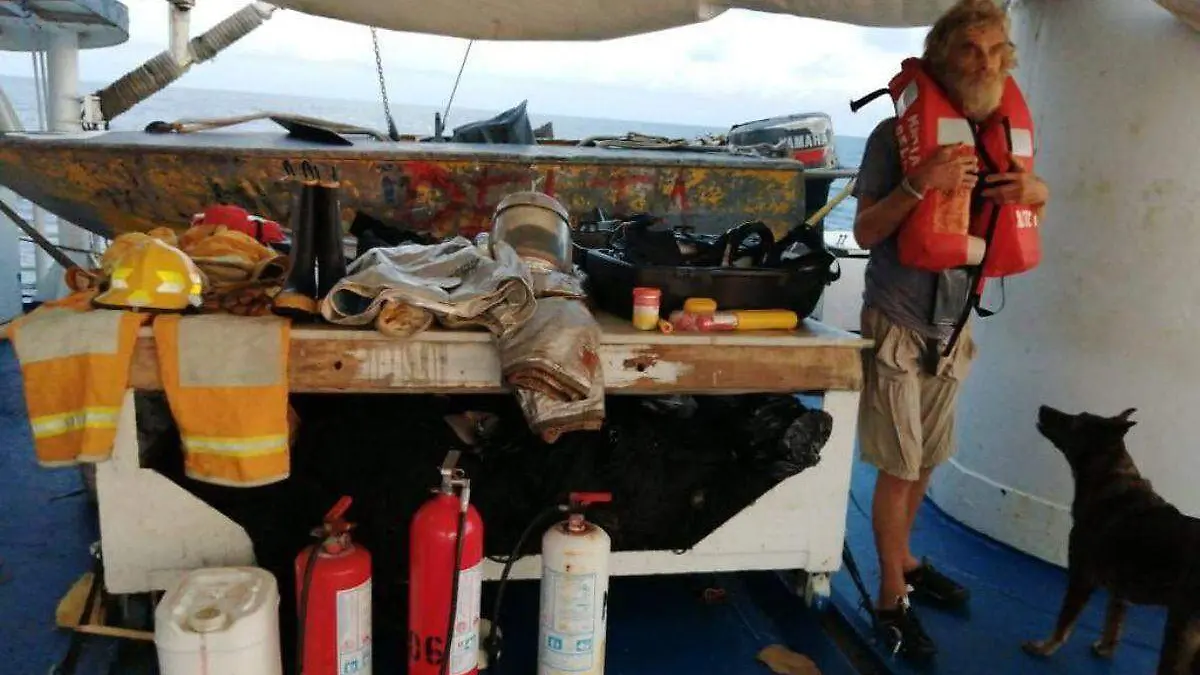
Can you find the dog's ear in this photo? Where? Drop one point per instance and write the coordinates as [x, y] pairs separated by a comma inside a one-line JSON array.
[[1121, 423]]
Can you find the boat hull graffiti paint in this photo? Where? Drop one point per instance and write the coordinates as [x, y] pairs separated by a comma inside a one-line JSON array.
[[118, 182]]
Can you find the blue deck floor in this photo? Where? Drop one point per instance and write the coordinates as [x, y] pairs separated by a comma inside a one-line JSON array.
[[45, 533], [1014, 598], [657, 624]]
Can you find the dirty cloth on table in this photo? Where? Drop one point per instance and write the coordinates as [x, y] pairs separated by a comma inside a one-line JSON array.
[[241, 274], [553, 362], [454, 281]]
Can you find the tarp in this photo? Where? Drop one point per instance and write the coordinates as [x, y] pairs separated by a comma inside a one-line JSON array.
[[597, 19]]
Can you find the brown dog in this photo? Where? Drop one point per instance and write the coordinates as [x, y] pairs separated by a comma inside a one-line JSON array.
[[1125, 539]]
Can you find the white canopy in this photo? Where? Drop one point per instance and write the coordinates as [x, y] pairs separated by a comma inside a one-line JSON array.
[[597, 19]]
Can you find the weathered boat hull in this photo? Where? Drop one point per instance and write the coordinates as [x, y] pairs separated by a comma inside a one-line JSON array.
[[116, 182]]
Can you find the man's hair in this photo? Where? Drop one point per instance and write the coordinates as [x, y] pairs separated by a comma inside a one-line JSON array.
[[963, 16]]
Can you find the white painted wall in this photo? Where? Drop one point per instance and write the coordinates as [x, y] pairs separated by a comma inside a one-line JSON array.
[[1111, 318]]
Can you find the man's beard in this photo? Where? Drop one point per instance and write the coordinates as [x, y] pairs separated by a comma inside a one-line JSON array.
[[979, 94]]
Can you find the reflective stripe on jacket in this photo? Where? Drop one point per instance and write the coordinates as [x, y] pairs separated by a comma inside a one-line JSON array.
[[226, 382], [75, 367]]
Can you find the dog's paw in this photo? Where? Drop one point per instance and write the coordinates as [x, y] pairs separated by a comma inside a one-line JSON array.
[[1040, 647], [1103, 649]]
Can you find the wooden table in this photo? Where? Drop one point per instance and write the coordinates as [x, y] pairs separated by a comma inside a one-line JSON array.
[[154, 530], [329, 359]]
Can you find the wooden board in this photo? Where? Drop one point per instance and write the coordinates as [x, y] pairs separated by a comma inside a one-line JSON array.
[[327, 359]]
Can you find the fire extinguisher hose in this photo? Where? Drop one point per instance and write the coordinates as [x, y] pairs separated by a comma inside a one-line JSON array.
[[303, 600], [493, 642], [457, 572]]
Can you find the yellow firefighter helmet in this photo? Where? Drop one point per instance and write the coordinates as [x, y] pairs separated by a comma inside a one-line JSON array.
[[154, 276]]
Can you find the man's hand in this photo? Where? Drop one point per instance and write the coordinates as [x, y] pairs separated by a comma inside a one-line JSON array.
[[946, 170], [1018, 186]]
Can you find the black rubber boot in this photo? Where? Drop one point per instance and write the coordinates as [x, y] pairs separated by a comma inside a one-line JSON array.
[[298, 299], [933, 588], [903, 635], [327, 235]]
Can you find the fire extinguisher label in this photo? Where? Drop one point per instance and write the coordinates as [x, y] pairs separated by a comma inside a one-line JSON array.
[[465, 655], [354, 630], [568, 620]]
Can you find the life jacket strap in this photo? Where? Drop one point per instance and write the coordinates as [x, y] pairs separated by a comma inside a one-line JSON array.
[[977, 270]]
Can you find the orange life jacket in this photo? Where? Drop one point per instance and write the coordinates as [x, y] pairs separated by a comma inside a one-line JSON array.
[[935, 235]]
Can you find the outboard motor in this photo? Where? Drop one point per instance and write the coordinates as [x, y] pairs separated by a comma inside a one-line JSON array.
[[804, 137]]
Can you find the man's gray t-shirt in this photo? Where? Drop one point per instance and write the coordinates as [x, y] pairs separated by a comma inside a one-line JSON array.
[[905, 295]]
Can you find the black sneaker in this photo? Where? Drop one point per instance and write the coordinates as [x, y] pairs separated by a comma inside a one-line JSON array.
[[932, 587], [902, 633]]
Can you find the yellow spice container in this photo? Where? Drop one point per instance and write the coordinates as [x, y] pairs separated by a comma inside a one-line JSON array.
[[700, 306]]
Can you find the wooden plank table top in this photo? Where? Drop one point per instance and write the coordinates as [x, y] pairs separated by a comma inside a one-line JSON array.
[[325, 358]]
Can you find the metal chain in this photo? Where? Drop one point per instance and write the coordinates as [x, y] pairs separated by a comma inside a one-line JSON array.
[[387, 111]]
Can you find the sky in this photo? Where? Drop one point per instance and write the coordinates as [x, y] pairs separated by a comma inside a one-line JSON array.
[[739, 66]]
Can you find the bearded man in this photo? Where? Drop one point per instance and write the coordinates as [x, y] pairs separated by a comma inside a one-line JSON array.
[[907, 407]]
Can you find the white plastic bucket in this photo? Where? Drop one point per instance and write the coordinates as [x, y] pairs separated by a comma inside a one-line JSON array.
[[219, 620]]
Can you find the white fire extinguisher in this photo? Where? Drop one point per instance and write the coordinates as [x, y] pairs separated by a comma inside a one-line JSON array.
[[574, 604]]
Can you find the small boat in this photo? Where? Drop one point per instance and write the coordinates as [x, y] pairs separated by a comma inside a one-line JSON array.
[[112, 182]]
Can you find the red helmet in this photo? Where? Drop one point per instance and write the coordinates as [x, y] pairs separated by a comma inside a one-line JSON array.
[[236, 218]]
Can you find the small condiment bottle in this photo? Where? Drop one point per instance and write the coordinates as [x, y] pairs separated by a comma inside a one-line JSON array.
[[646, 304]]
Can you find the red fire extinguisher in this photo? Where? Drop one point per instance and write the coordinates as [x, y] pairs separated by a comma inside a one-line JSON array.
[[333, 591], [445, 570]]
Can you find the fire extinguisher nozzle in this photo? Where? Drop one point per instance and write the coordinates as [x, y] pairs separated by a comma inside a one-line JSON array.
[[580, 499], [339, 509]]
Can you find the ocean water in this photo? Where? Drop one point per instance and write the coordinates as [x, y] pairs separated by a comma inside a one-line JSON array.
[[176, 103]]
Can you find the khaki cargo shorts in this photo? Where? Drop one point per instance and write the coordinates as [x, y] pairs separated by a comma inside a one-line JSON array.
[[905, 414]]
